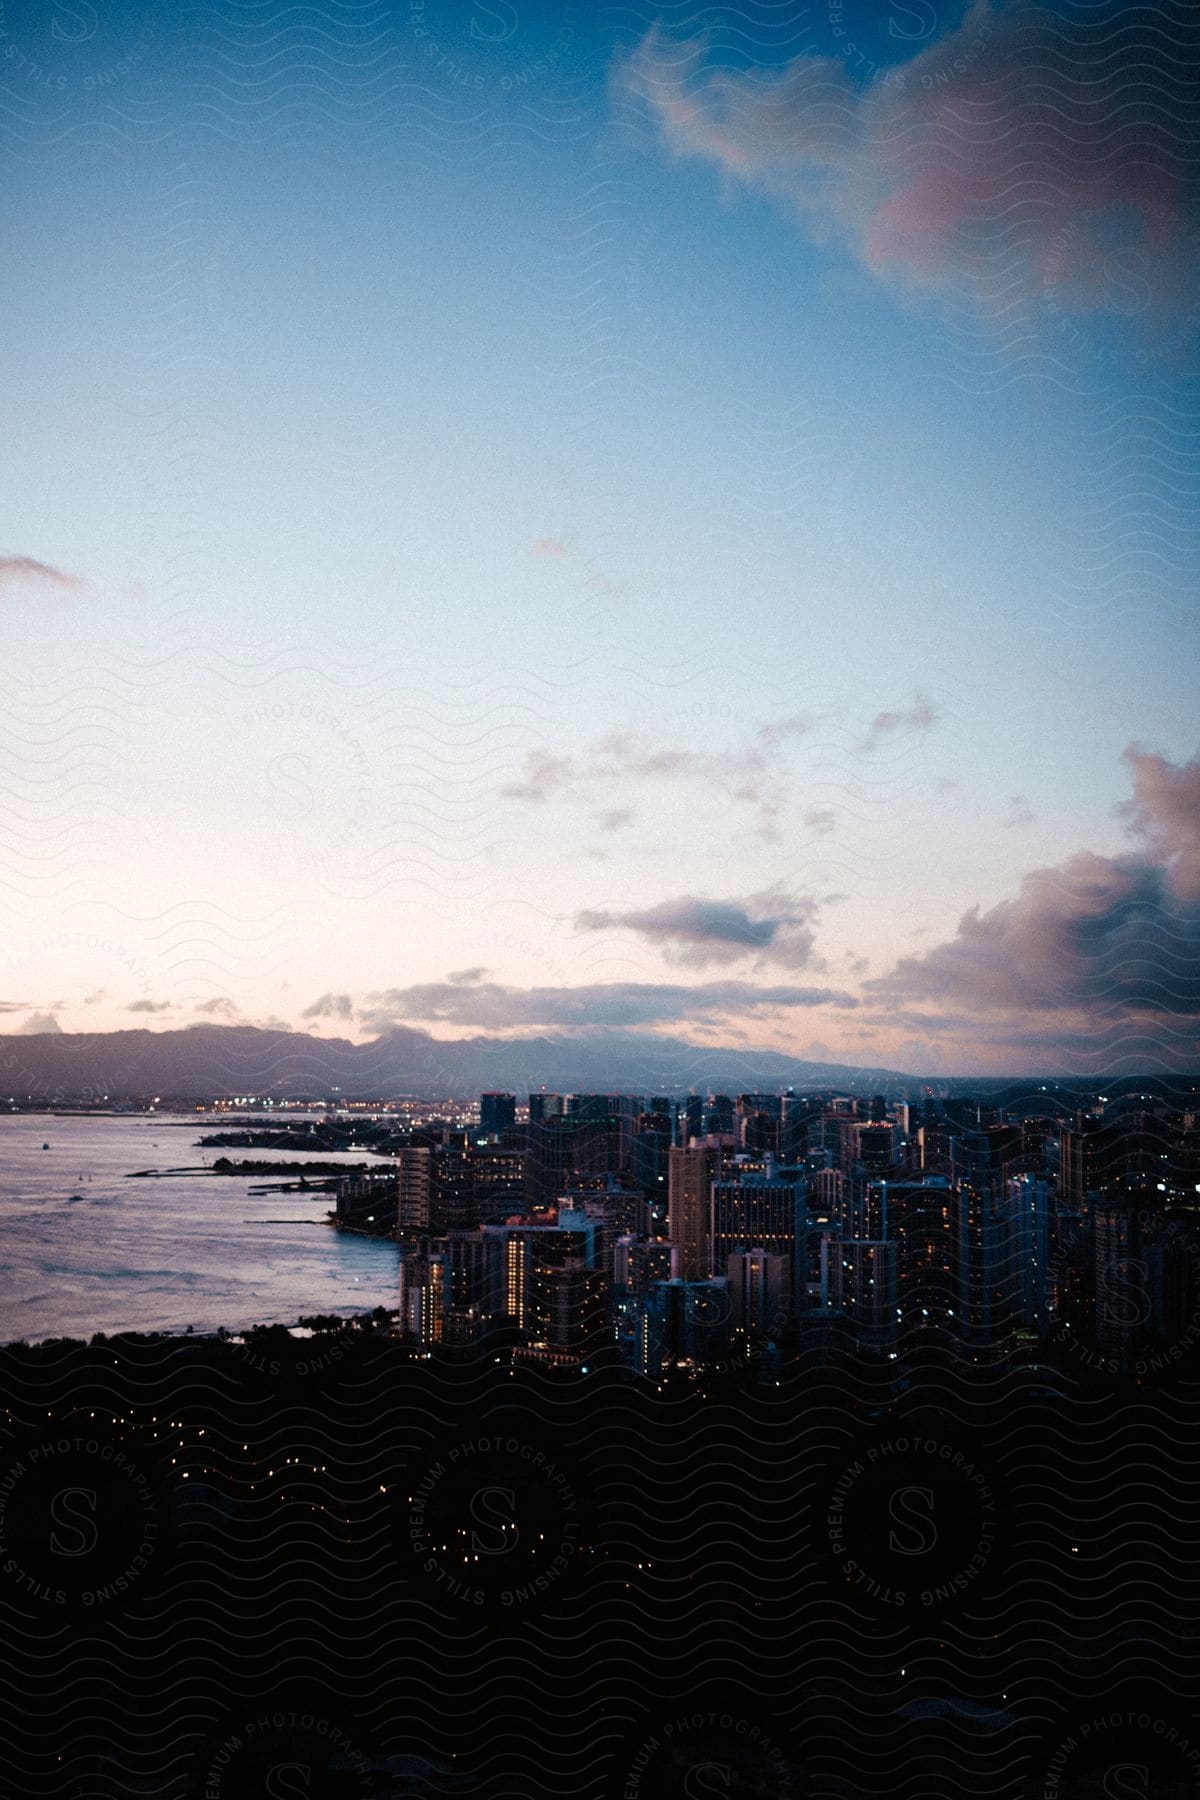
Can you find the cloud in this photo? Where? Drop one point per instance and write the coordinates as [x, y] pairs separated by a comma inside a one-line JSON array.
[[799, 725], [1165, 812], [491, 1007], [149, 1006], [1019, 813], [40, 1024], [625, 757], [820, 819], [920, 716], [756, 773], [1094, 949], [465, 977], [26, 570], [8, 1006], [330, 1006], [220, 1007], [544, 775], [693, 932], [1002, 158]]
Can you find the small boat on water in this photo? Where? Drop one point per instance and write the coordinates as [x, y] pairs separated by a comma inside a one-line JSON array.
[[71, 1201], [45, 1146]]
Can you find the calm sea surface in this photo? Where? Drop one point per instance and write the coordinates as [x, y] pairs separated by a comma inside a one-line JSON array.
[[164, 1253]]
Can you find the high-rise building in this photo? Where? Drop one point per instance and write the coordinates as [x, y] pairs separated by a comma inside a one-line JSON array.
[[608, 1199], [564, 1149], [718, 1115], [646, 1342], [451, 1190], [922, 1223], [691, 1119], [497, 1182], [1170, 1252], [476, 1271], [875, 1147], [983, 1307], [639, 1262], [587, 1224], [612, 1115], [680, 1322], [1028, 1202], [424, 1294], [495, 1112], [701, 1319], [515, 1273], [567, 1302], [760, 1134], [858, 1282], [653, 1137], [690, 1175], [412, 1192], [1077, 1168], [367, 1203], [756, 1208], [794, 1114], [827, 1188], [760, 1289], [1119, 1271]]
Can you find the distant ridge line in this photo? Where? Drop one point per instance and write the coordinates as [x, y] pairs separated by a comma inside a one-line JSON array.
[[211, 1061]]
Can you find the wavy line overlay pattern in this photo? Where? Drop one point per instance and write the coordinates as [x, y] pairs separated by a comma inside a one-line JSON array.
[[334, 1566]]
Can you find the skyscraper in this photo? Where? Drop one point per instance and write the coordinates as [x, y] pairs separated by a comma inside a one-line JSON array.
[[691, 1119], [412, 1192], [756, 1208], [495, 1112], [1027, 1215], [425, 1294], [921, 1222], [690, 1173], [562, 1150], [858, 1281], [760, 1287]]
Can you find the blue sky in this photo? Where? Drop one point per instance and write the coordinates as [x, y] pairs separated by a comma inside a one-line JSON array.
[[520, 466]]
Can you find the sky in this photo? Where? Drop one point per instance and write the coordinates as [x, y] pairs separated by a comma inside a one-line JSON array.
[[533, 518]]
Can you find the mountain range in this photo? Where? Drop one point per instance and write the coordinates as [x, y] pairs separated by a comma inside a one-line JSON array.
[[230, 1060]]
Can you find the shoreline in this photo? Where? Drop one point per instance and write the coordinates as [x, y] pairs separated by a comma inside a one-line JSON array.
[[234, 1338]]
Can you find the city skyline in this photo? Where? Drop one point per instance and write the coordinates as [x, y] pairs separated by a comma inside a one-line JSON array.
[[600, 899], [555, 526]]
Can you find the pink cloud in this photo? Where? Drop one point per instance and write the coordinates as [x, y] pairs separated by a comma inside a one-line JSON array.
[[1015, 152], [26, 570]]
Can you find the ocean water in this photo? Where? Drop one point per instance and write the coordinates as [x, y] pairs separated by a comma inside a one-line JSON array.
[[167, 1252]]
